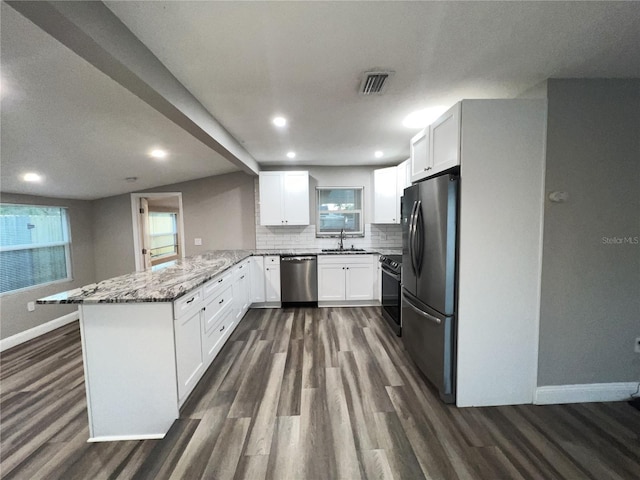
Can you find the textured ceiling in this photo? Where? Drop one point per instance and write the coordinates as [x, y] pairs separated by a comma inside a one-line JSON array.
[[247, 61]]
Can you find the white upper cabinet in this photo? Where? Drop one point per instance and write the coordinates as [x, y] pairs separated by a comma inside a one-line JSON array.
[[445, 140], [403, 179], [437, 147], [284, 198], [421, 164], [388, 186], [385, 195]]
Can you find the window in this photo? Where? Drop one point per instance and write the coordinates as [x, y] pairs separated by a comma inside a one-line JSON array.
[[163, 230], [339, 208], [34, 246]]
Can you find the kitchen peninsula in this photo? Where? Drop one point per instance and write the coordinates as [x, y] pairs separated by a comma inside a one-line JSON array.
[[148, 337]]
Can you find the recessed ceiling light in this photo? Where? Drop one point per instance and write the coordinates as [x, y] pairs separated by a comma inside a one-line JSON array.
[[31, 177], [291, 154], [279, 121], [379, 153], [422, 118], [158, 153]]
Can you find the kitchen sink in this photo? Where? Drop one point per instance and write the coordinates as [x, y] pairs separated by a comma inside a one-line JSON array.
[[343, 250]]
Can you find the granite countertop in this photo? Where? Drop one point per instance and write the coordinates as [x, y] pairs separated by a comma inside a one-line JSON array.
[[319, 251], [170, 283], [163, 285]]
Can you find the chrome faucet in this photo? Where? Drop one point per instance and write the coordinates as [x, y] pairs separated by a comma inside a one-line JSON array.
[[342, 237]]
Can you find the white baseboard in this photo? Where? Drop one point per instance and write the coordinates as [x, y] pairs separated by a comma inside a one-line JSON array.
[[127, 438], [35, 332], [585, 393]]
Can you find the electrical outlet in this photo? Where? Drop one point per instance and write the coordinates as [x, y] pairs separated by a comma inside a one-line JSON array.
[[197, 241], [637, 347]]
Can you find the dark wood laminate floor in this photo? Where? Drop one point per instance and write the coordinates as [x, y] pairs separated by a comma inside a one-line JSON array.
[[304, 394]]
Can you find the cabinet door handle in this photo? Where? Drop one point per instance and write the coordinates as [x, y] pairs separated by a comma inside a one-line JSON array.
[[221, 280], [241, 277], [222, 328], [204, 308], [220, 302], [192, 299]]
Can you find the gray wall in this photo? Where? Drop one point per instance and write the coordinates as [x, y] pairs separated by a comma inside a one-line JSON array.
[[590, 301], [13, 306], [113, 237], [219, 210]]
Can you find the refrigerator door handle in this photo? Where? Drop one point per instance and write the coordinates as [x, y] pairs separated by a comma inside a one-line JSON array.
[[412, 232], [420, 312], [418, 237]]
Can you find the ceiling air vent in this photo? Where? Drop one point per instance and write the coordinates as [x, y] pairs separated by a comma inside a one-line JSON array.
[[374, 83]]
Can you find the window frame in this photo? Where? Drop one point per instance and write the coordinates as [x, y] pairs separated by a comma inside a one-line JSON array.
[[360, 233], [66, 225], [166, 257]]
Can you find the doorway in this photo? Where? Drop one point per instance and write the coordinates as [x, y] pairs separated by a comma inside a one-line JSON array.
[[158, 229]]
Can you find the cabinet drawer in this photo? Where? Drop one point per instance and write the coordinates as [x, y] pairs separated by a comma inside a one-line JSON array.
[[241, 269], [214, 339], [187, 303], [345, 259], [215, 306], [216, 284]]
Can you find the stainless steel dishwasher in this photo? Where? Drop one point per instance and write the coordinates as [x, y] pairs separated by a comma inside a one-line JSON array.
[[299, 279]]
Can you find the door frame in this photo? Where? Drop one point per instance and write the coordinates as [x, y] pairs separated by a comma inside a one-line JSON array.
[[135, 218]]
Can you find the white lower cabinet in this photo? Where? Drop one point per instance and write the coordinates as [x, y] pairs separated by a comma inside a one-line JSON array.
[[359, 282], [242, 288], [331, 281], [189, 352], [346, 279], [213, 339], [207, 317], [257, 279], [272, 278]]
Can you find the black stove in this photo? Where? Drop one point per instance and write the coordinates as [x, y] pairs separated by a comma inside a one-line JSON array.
[[392, 262], [391, 290]]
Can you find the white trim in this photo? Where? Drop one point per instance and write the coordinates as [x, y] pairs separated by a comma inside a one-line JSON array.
[[119, 438], [348, 303], [135, 197], [538, 312], [585, 393], [266, 305], [35, 332]]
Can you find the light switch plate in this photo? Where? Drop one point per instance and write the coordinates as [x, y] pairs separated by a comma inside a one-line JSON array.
[[198, 241]]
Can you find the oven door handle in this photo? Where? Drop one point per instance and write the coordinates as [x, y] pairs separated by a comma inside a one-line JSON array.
[[395, 276]]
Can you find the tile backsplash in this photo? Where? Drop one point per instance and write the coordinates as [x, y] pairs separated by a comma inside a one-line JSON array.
[[304, 236]]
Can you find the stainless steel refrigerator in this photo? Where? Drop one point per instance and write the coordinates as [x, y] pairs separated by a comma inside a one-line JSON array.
[[429, 231]]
